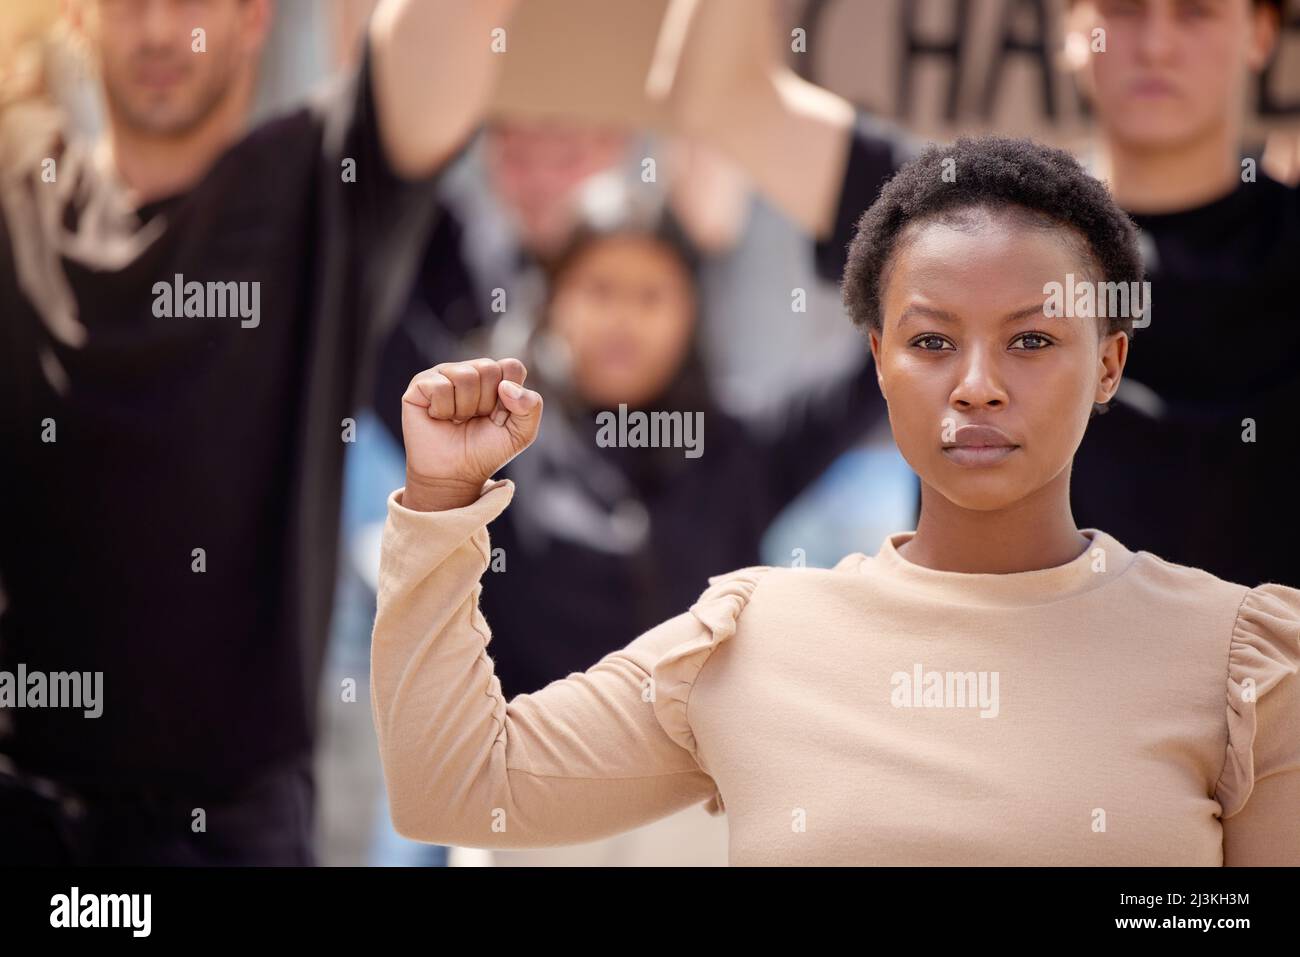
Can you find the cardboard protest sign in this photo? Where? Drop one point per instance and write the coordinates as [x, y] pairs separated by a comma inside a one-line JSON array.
[[581, 59], [938, 67], [944, 67]]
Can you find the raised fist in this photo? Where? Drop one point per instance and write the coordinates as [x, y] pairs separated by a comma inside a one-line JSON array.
[[461, 422]]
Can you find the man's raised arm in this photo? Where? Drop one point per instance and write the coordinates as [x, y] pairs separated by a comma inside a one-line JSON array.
[[434, 71], [719, 68]]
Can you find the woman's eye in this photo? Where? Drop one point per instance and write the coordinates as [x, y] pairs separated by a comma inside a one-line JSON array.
[[921, 340], [1034, 341]]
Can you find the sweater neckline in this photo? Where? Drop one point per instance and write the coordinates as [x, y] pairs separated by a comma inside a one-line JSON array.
[[1103, 561]]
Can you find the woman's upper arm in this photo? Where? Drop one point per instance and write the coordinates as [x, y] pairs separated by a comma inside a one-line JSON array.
[[587, 756]]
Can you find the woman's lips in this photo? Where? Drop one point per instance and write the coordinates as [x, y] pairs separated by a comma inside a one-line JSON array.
[[975, 456], [617, 357], [979, 445]]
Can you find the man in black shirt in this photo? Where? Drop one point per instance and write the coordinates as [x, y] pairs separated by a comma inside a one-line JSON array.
[[1192, 460], [188, 310]]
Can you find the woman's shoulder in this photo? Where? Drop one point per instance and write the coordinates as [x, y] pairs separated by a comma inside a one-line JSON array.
[[1185, 583], [1201, 587], [744, 597], [736, 589], [1210, 605], [747, 596]]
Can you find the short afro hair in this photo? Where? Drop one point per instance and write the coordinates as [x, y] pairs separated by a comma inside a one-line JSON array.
[[1000, 174]]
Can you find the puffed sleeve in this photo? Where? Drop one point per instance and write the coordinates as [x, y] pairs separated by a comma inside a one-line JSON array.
[[1259, 789], [581, 759], [717, 611]]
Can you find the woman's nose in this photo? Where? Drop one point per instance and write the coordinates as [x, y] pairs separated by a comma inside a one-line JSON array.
[[980, 383]]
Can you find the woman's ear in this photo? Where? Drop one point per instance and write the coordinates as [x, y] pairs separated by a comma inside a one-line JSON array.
[[875, 357], [1113, 353]]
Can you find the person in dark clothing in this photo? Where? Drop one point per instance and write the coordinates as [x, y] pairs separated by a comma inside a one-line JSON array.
[[604, 540], [188, 313], [1202, 406], [1206, 403], [1209, 384]]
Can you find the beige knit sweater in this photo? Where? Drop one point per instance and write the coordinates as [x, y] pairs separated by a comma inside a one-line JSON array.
[[1114, 710]]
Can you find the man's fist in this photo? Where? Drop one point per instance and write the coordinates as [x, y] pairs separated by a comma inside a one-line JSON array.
[[462, 421]]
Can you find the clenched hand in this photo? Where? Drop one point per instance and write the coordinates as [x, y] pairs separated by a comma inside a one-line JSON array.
[[461, 422]]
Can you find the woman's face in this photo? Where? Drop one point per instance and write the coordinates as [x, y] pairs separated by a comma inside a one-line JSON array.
[[965, 342], [625, 310]]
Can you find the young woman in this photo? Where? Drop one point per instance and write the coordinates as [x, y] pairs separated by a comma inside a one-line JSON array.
[[996, 687]]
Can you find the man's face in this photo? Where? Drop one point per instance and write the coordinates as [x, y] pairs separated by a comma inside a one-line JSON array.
[[536, 167], [1172, 70], [161, 75]]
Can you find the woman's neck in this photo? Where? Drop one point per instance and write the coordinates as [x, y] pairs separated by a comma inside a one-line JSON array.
[[1036, 532]]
